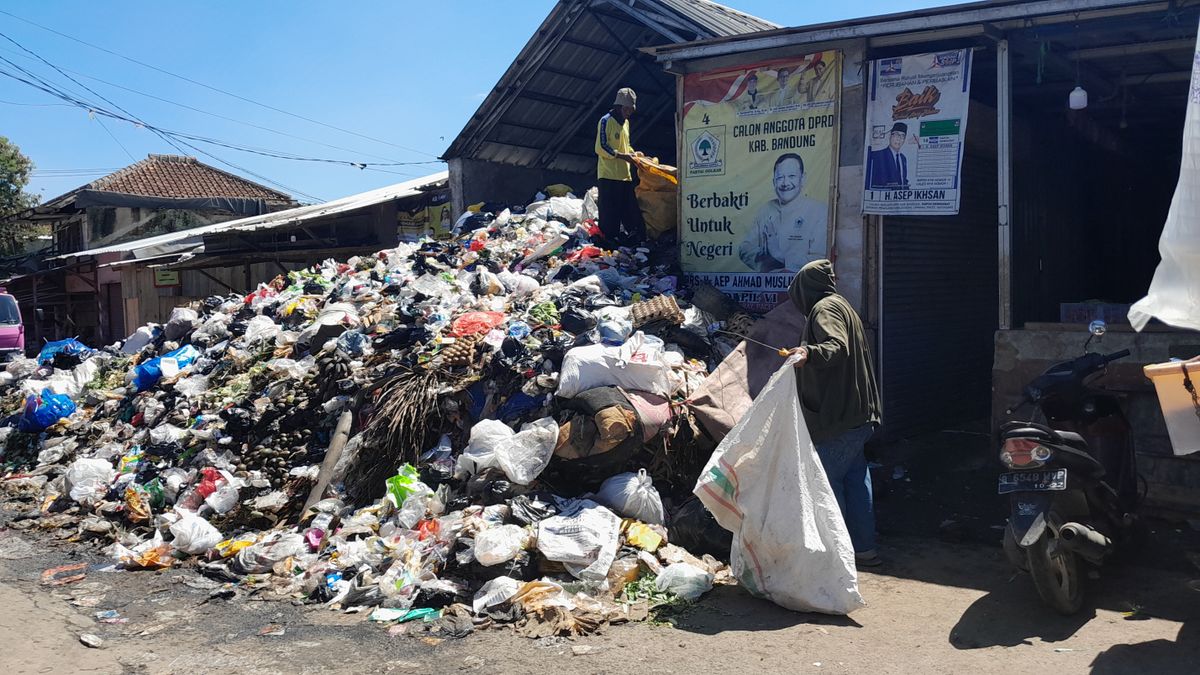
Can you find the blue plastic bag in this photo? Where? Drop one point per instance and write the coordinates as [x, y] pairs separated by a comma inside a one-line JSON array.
[[70, 346], [44, 410], [147, 374]]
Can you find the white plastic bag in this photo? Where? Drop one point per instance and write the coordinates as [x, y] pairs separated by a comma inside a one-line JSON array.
[[765, 484], [495, 592], [261, 329], [687, 581], [261, 557], [632, 495], [642, 363], [499, 544], [181, 322], [138, 339], [526, 454], [87, 480], [167, 433], [521, 455], [193, 534], [584, 535]]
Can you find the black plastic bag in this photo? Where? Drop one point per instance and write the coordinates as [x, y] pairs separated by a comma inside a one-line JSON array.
[[532, 508], [695, 529], [577, 321]]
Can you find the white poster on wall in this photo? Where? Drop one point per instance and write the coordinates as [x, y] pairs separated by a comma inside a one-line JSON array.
[[916, 128]]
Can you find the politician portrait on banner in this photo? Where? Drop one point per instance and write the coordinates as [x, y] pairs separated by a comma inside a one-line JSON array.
[[757, 178], [916, 128]]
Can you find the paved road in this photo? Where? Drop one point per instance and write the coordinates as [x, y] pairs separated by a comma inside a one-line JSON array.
[[935, 608]]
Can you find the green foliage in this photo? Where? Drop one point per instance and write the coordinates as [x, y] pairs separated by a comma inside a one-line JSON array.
[[14, 176], [15, 169]]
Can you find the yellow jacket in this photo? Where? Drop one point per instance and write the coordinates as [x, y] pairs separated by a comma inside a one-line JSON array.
[[612, 138]]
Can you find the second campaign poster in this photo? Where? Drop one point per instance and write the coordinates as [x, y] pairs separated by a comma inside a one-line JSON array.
[[757, 181], [916, 128]]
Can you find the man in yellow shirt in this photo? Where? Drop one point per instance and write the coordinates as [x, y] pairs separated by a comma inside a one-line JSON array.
[[620, 218]]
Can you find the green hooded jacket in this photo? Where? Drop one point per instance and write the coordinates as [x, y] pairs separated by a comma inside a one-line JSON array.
[[837, 384]]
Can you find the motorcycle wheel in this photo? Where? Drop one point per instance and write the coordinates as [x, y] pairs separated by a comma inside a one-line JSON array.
[[1056, 574]]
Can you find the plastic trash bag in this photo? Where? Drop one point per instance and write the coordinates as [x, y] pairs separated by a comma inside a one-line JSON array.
[[88, 480], [139, 338], [262, 556], [495, 592], [476, 323], [695, 529], [522, 456], [584, 535], [45, 410], [21, 367], [68, 347], [405, 484], [687, 581], [641, 363], [260, 329], [499, 544], [632, 495], [790, 544], [147, 374], [193, 534], [183, 320], [532, 508]]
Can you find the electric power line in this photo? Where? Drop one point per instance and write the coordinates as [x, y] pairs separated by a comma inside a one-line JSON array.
[[167, 134], [38, 105], [222, 117], [119, 143], [212, 88], [53, 90]]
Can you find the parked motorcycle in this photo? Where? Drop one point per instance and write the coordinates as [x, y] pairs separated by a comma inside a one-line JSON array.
[[1072, 481]]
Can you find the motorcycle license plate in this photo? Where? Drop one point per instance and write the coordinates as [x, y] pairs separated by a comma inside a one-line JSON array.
[[1033, 481]]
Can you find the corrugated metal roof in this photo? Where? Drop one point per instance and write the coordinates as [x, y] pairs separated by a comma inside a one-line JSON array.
[[984, 11], [564, 78], [718, 19], [178, 242]]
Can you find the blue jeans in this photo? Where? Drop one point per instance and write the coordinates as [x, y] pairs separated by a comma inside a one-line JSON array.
[[846, 467]]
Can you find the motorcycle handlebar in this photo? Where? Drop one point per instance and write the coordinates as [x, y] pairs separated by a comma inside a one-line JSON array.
[[1117, 355]]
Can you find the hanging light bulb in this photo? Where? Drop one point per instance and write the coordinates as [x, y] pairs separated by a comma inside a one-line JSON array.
[[1077, 100]]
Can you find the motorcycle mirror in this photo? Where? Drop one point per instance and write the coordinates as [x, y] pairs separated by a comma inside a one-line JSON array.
[[1097, 329]]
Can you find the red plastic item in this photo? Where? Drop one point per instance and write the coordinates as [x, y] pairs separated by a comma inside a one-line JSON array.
[[474, 323], [477, 245], [428, 529], [208, 483], [585, 253]]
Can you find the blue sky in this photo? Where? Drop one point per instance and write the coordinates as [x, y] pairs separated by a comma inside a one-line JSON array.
[[403, 73]]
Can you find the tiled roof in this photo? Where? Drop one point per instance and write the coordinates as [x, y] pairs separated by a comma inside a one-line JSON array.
[[178, 177]]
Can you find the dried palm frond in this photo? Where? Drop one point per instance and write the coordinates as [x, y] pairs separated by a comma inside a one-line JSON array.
[[405, 422]]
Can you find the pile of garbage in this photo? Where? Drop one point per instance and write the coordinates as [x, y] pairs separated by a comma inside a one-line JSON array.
[[487, 429]]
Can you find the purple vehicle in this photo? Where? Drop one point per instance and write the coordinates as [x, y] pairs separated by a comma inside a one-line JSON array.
[[12, 329]]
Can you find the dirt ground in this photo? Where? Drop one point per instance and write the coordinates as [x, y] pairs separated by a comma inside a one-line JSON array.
[[935, 607]]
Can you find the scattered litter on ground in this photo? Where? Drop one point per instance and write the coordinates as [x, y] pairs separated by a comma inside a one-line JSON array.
[[92, 641], [492, 429]]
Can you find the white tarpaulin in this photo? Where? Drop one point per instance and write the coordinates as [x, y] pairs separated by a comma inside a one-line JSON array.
[[765, 484], [1174, 296], [916, 129]]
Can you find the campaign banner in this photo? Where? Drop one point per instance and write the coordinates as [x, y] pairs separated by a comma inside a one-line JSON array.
[[916, 128], [758, 174]]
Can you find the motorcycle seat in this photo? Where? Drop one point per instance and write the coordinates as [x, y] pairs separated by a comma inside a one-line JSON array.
[[1073, 439]]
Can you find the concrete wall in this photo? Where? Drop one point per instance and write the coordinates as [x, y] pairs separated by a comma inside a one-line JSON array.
[[473, 181], [1021, 355]]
